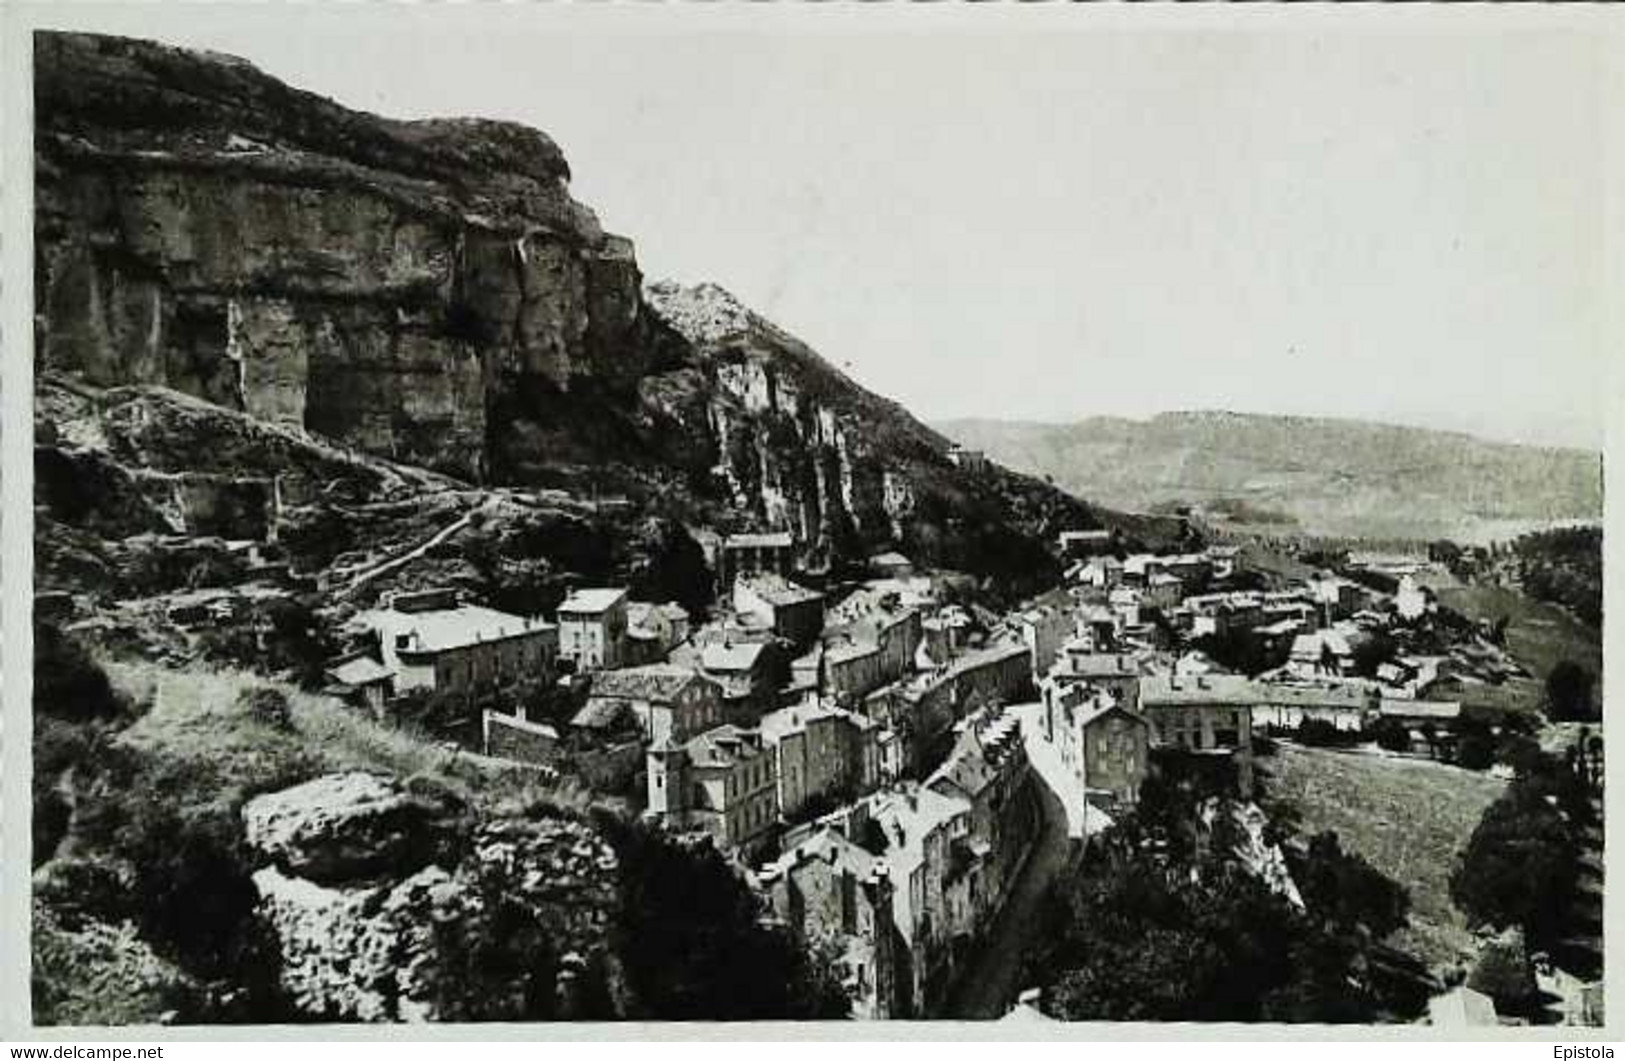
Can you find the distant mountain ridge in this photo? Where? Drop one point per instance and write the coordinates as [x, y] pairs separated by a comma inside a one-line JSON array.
[[1304, 474]]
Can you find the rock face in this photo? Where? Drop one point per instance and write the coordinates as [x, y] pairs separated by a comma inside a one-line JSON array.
[[202, 226], [428, 292], [516, 924]]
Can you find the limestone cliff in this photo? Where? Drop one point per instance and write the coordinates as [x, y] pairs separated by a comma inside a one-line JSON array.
[[429, 292], [202, 226]]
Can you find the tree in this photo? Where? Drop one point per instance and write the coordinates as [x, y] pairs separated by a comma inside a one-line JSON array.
[[1475, 745], [1345, 892], [694, 947], [1520, 866], [1372, 653], [1391, 735], [1568, 693]]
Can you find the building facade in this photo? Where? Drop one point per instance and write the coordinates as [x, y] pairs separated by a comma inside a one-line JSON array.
[[592, 628], [723, 782]]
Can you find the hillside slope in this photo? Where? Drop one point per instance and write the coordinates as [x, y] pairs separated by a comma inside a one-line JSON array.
[[1335, 477], [430, 293]]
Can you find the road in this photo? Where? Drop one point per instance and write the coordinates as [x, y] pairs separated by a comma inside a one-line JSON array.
[[989, 983]]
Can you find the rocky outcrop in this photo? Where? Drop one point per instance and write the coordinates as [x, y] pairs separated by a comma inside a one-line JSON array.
[[429, 293], [203, 226], [347, 826], [378, 918]]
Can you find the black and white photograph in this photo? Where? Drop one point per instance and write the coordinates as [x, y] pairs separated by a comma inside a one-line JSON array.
[[571, 513]]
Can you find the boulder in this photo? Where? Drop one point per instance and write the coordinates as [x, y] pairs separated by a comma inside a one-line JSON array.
[[347, 827], [520, 927]]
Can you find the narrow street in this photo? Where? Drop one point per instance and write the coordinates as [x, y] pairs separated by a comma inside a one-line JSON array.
[[988, 985]]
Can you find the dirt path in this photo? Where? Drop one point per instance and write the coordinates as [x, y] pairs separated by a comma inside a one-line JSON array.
[[361, 579]]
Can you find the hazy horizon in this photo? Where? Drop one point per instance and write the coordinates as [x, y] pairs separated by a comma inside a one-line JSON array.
[[1391, 226], [1143, 418]]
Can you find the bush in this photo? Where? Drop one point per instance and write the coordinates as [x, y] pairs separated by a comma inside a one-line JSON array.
[[267, 706], [1391, 735], [1568, 693], [1318, 733], [69, 685], [1476, 746]]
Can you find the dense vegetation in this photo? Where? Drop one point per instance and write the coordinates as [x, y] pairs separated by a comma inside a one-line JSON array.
[[1165, 923], [1564, 566], [1521, 866]]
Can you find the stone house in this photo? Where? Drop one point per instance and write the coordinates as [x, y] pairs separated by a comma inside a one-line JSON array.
[[592, 628], [822, 754], [361, 679], [1099, 572], [929, 901], [1208, 715], [431, 640], [1117, 673], [750, 674], [723, 782], [1101, 743], [828, 889], [1075, 543], [652, 630], [973, 461], [1347, 706], [667, 700], [931, 703], [792, 612], [1043, 630], [988, 768], [748, 554], [1163, 590]]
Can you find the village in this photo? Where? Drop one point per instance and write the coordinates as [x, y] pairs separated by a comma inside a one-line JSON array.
[[878, 757]]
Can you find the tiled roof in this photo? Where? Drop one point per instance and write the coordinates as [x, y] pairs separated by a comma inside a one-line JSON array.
[[358, 671], [724, 746], [657, 682], [736, 657]]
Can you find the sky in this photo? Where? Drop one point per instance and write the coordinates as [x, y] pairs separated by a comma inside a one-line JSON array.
[[1381, 220]]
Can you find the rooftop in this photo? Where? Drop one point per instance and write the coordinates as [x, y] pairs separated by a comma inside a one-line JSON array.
[[656, 682], [724, 746], [778, 590], [1224, 689], [445, 629], [768, 540], [358, 670], [731, 657], [592, 601]]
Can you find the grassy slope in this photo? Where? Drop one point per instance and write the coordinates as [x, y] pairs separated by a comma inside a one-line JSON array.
[[1408, 818], [194, 717], [1539, 635]]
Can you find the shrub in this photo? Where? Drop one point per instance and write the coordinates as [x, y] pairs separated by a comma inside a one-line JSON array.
[[1568, 693], [1391, 735], [68, 684], [267, 706]]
